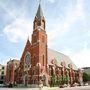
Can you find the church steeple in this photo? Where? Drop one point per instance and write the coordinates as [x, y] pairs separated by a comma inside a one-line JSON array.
[[39, 21], [39, 13], [39, 39]]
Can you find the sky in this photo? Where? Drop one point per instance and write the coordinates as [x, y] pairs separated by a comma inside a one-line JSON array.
[[67, 27]]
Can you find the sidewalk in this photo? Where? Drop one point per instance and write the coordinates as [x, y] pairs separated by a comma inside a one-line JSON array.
[[50, 88]]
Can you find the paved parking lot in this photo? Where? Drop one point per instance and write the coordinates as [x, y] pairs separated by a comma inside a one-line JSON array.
[[48, 88]]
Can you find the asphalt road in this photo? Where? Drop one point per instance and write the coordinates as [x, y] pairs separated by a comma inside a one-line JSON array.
[[48, 88], [76, 88]]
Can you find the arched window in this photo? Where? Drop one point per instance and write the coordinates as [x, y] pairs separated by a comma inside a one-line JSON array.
[[43, 39], [43, 60], [27, 60], [35, 39]]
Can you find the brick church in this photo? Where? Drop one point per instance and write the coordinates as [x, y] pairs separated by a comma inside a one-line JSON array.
[[38, 63]]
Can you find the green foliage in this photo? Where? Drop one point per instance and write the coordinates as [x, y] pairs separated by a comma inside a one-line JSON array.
[[85, 77], [54, 79], [89, 76], [65, 79], [76, 79], [59, 80]]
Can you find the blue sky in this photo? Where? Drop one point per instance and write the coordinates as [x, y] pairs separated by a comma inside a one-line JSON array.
[[67, 26]]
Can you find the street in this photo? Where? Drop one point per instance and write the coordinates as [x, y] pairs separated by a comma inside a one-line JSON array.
[[52, 88], [76, 88]]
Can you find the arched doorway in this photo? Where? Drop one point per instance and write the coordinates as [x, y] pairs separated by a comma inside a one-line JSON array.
[[45, 80], [33, 79], [25, 80]]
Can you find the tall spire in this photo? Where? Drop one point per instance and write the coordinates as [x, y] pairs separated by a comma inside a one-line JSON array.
[[39, 13], [39, 20]]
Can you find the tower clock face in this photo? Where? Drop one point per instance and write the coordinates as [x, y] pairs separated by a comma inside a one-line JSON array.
[[27, 60]]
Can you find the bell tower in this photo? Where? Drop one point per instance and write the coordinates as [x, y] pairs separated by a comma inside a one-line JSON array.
[[39, 41], [39, 21]]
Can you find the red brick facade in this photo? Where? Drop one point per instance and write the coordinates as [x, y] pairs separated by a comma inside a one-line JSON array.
[[38, 55], [10, 71], [33, 64]]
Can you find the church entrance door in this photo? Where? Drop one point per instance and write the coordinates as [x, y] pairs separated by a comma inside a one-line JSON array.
[[45, 80], [25, 79]]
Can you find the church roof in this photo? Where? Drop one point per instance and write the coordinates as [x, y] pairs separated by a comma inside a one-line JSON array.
[[60, 58], [39, 13]]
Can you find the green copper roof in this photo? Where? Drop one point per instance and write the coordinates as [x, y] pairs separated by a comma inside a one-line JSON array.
[[60, 58], [39, 13]]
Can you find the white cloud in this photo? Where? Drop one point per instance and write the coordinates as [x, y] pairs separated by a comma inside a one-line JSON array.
[[3, 58], [1, 34], [72, 15], [82, 58], [67, 51], [18, 30], [11, 13], [20, 27], [51, 1], [88, 33]]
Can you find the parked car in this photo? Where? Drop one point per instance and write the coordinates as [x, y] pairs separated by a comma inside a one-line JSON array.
[[2, 85], [62, 86], [86, 84]]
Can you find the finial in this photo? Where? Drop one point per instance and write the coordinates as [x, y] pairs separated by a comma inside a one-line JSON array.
[[28, 37], [39, 1]]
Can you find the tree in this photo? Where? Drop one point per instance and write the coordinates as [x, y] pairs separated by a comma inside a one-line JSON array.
[[76, 79], [85, 77], [65, 79], [54, 79], [89, 77], [59, 79]]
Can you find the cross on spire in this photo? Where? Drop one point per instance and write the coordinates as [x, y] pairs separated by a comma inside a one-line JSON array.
[[39, 1]]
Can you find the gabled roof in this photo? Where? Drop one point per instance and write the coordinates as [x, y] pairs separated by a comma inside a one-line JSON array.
[[39, 13], [60, 58]]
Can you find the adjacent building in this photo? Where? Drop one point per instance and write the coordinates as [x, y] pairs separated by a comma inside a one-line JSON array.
[[2, 74], [86, 70], [39, 63], [10, 71]]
